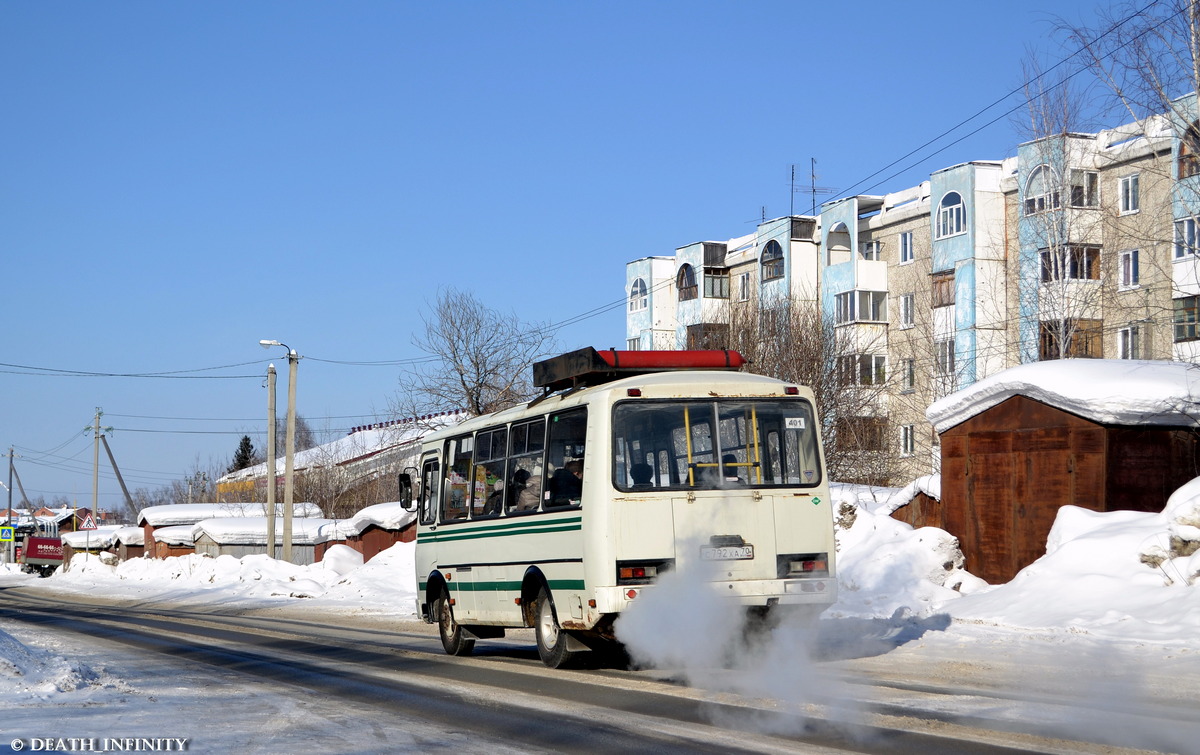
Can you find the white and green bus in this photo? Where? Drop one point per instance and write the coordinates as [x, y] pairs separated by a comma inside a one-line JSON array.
[[557, 514]]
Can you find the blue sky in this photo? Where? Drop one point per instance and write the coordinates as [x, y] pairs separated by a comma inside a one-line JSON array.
[[180, 180]]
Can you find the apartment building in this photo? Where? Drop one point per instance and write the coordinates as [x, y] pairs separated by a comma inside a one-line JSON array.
[[1083, 245]]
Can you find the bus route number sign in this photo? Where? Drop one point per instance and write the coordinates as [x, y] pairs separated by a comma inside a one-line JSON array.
[[727, 553]]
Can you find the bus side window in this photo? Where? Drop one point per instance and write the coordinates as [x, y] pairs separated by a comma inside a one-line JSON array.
[[429, 491], [491, 454], [523, 491], [568, 432], [457, 495]]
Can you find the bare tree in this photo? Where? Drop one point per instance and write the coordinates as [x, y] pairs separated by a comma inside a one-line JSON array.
[[480, 359], [798, 342]]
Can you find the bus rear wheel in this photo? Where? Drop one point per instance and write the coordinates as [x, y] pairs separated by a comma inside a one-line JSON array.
[[551, 638], [453, 639]]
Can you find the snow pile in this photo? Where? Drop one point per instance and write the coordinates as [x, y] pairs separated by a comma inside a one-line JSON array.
[[190, 513], [29, 676], [885, 566], [385, 585], [1107, 391], [387, 516]]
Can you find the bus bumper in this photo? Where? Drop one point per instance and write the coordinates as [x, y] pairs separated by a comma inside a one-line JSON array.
[[764, 592]]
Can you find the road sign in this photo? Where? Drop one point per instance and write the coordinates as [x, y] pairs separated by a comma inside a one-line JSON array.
[[86, 522], [7, 534]]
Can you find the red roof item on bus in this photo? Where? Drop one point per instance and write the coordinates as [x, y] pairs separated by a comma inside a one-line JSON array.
[[587, 366]]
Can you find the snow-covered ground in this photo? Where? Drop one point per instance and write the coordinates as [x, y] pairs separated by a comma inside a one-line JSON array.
[[1123, 578]]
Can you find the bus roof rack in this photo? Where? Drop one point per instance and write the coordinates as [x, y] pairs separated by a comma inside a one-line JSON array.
[[587, 366]]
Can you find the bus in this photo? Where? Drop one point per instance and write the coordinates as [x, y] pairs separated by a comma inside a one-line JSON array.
[[558, 513]]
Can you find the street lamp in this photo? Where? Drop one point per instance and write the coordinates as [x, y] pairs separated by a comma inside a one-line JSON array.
[[289, 453]]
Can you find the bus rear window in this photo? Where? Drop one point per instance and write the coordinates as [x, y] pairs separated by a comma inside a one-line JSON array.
[[684, 445]]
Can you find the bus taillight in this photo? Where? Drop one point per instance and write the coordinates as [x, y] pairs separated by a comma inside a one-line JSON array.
[[803, 565], [640, 572]]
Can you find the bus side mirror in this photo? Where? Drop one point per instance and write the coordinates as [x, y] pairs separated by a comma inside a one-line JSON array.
[[406, 490]]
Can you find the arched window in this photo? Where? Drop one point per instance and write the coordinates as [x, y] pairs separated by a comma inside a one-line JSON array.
[[837, 245], [1041, 191], [637, 296], [772, 261], [951, 216], [685, 281]]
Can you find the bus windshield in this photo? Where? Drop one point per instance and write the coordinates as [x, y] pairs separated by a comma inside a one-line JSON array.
[[690, 444]]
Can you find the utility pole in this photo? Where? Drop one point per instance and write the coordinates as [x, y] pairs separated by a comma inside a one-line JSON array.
[[96, 464], [12, 556], [271, 461], [290, 451]]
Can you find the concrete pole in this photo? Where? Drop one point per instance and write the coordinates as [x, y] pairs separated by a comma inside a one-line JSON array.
[[290, 451], [271, 461], [96, 465]]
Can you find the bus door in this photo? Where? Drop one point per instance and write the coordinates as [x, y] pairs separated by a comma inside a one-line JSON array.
[[451, 552]]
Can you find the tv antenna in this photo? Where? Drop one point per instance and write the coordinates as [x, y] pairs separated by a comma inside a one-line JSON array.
[[813, 189]]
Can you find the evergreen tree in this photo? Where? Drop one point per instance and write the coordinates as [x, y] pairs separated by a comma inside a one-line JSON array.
[[244, 456]]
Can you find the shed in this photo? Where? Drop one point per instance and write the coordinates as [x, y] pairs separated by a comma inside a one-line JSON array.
[[131, 542], [245, 536], [97, 541], [171, 541], [371, 530], [152, 518], [1101, 434]]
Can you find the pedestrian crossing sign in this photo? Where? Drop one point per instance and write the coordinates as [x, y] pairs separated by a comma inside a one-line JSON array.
[[7, 534], [86, 522]]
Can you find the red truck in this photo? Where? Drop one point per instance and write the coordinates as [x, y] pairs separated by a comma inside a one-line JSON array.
[[38, 552]]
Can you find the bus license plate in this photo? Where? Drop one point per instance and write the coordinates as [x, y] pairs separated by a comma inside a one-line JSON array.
[[727, 553]]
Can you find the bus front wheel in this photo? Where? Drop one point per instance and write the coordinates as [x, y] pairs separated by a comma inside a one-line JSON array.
[[551, 638], [453, 639]]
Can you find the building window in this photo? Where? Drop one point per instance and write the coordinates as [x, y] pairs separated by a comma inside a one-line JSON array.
[[862, 369], [686, 283], [943, 290], [1040, 194], [869, 250], [1085, 188], [1072, 263], [744, 287], [951, 216], [716, 283], [908, 440], [1185, 237], [1129, 342], [860, 306], [1189, 152], [907, 302], [1069, 337], [1130, 275], [1186, 319], [708, 335], [908, 375], [906, 247], [638, 300], [772, 261], [861, 433], [943, 357], [633, 344], [1130, 201]]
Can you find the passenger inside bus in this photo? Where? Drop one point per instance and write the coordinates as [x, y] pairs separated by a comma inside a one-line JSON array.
[[566, 484], [642, 475]]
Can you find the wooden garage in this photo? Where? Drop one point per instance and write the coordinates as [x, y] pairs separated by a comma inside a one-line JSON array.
[[1016, 449]]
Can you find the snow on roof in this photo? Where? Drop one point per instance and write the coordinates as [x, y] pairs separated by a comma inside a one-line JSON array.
[[1107, 391], [387, 516], [252, 530], [178, 535], [100, 538], [930, 485], [190, 513], [362, 443], [131, 536]]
